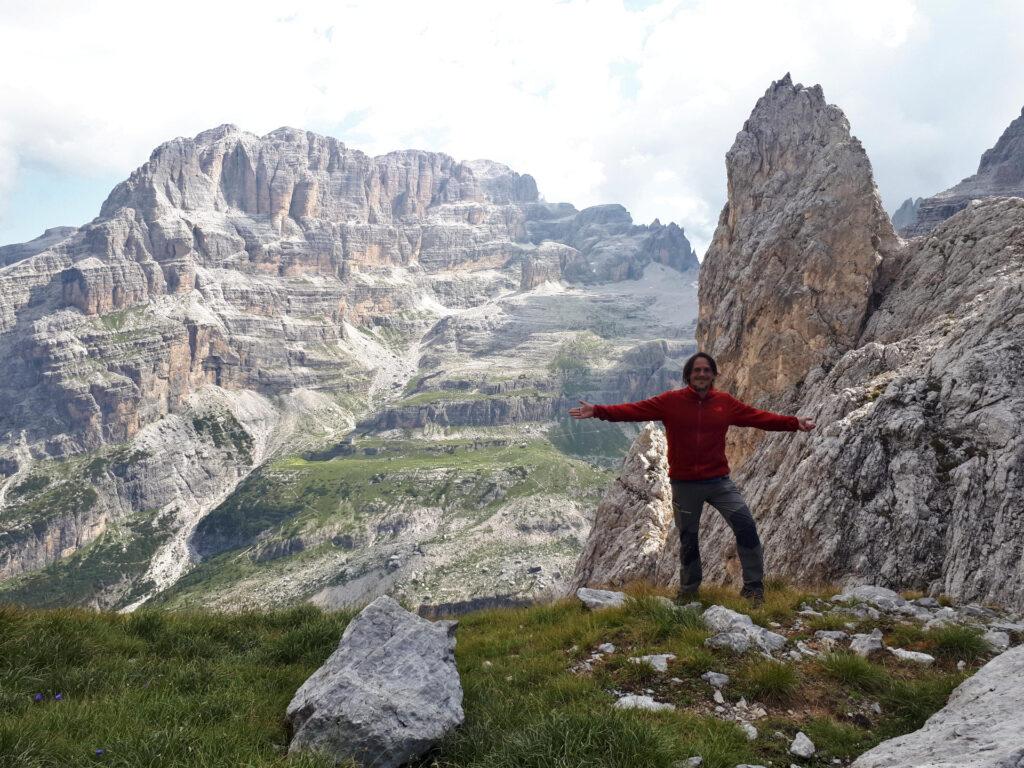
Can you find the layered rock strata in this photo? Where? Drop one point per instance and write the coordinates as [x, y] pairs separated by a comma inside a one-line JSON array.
[[288, 271]]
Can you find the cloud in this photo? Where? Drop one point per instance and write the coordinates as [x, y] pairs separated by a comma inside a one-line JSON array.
[[600, 101]]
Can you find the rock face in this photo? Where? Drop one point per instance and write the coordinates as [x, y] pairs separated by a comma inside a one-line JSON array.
[[912, 478], [905, 216], [1000, 174], [388, 694], [979, 727], [787, 283], [241, 297], [908, 358], [632, 521]]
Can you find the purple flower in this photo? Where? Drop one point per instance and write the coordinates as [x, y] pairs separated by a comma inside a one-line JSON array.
[[101, 751], [37, 697], [58, 697]]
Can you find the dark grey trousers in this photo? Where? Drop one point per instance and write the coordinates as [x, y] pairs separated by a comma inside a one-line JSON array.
[[688, 499]]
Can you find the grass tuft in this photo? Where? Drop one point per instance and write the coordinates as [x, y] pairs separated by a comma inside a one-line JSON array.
[[954, 642], [851, 670], [769, 681]]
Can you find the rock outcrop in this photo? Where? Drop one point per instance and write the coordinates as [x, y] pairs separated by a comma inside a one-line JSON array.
[[908, 357], [632, 521], [388, 694], [979, 727], [788, 281], [912, 478], [1000, 174]]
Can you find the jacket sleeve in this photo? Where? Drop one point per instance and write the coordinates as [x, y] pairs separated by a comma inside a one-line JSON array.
[[652, 409], [744, 415]]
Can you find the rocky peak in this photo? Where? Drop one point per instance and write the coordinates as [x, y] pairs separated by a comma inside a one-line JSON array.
[[299, 174], [787, 282], [1000, 174]]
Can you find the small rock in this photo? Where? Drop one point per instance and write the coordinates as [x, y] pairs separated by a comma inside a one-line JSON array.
[[737, 642], [914, 656], [717, 679], [805, 649], [927, 602], [535, 569], [659, 661], [719, 709], [802, 746], [750, 730], [606, 648], [718, 697], [597, 599], [642, 702], [834, 635], [876, 707], [488, 664], [691, 762], [999, 641], [865, 645], [758, 712], [961, 665]]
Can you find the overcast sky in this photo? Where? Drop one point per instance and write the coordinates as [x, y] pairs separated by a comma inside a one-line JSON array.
[[633, 102]]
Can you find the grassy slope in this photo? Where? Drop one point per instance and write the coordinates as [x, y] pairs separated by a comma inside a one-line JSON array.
[[201, 689], [298, 495]]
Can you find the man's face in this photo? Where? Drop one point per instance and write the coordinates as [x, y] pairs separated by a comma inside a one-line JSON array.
[[701, 377]]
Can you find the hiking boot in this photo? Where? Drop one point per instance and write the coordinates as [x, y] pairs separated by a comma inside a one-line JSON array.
[[686, 596], [755, 595]]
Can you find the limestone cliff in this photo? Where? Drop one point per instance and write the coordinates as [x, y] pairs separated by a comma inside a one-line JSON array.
[[240, 298], [908, 356], [788, 281]]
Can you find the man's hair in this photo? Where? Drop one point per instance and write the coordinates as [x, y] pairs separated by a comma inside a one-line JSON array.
[[688, 367]]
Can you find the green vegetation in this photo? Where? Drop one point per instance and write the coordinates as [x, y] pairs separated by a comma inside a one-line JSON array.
[[462, 396], [224, 430], [154, 689], [113, 562], [770, 681], [298, 495], [46, 502], [572, 364], [195, 688], [955, 642], [589, 439]]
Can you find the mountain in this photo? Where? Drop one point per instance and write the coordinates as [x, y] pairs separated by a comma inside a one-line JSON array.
[[265, 361], [908, 356], [1000, 174]]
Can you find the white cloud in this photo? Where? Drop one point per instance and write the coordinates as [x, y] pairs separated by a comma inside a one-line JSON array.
[[598, 102]]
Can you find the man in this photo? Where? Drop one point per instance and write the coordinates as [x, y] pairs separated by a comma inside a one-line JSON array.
[[696, 419]]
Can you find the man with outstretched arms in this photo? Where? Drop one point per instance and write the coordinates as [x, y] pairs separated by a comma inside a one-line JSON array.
[[696, 419]]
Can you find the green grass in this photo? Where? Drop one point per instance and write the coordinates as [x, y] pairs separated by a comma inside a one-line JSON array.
[[852, 671], [154, 689], [955, 642], [161, 689], [769, 681]]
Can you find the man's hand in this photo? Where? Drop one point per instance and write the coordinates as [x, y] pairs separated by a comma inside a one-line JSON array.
[[583, 411], [805, 425]]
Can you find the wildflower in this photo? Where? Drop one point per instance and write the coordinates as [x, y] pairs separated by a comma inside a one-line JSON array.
[[100, 752], [37, 697], [58, 697]]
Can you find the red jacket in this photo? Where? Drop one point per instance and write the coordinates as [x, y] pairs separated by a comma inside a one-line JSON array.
[[696, 427]]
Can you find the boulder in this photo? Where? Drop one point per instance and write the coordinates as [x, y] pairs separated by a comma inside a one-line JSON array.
[[865, 645], [980, 726], [596, 599], [387, 694], [729, 624]]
